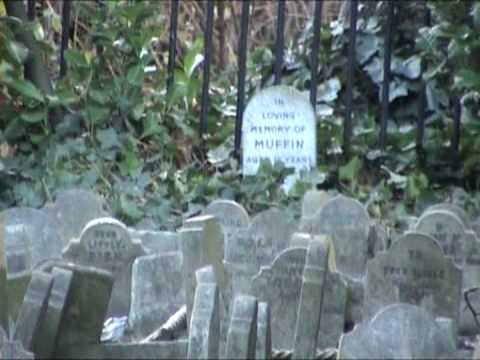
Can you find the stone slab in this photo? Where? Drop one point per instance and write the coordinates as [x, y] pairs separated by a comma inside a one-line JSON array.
[[242, 333], [263, 346]]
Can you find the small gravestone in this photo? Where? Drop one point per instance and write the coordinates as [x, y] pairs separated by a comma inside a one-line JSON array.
[[156, 242], [12, 349], [157, 291], [204, 329], [280, 285], [4, 306], [348, 223], [86, 308], [263, 346], [105, 243], [279, 125], [213, 244], [448, 230], [399, 331], [271, 230], [73, 209], [33, 309], [311, 299], [231, 215], [334, 310], [455, 209], [414, 270], [471, 279], [44, 345], [242, 333], [377, 239], [30, 237]]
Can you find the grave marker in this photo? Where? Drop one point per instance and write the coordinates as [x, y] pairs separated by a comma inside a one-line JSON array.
[[311, 299], [242, 335], [348, 223], [280, 285], [278, 125], [33, 309], [414, 270], [230, 214], [313, 200], [105, 243], [157, 291], [271, 230], [44, 345], [263, 346], [4, 306], [73, 209], [204, 335], [455, 209], [156, 242], [398, 331]]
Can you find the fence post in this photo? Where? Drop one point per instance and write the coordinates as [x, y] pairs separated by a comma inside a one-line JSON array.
[[172, 44], [317, 22], [279, 43], [66, 9], [387, 57], [207, 53], [242, 61], [31, 13], [347, 129]]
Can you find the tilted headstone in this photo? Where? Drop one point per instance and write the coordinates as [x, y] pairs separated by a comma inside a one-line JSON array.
[[263, 346], [278, 125], [204, 329], [44, 345], [398, 331], [271, 230], [311, 299], [377, 239], [414, 270], [73, 209], [213, 244], [157, 291], [168, 350], [348, 223], [242, 333], [86, 308], [471, 279], [455, 209], [30, 237], [4, 306], [12, 349], [230, 214], [33, 309], [156, 242], [105, 243], [280, 285]]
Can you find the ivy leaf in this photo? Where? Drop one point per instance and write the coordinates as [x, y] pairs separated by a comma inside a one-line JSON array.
[[136, 75], [34, 117], [349, 171], [108, 138], [25, 88], [17, 51]]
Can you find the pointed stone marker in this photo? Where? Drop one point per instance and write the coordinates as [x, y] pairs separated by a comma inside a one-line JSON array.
[[242, 335], [263, 347], [33, 309], [311, 299]]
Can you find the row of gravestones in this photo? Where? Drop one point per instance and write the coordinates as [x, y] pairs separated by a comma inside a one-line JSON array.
[[107, 243]]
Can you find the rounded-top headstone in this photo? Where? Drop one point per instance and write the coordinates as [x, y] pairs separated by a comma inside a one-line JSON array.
[[279, 125], [230, 214], [455, 209]]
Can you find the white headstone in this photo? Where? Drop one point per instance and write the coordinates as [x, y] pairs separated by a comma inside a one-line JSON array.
[[279, 125]]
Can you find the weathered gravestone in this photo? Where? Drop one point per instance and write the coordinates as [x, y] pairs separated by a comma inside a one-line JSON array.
[[30, 237], [86, 308], [311, 299], [230, 214], [105, 243], [278, 125], [378, 239], [313, 200], [12, 349], [44, 345], [455, 209], [73, 209], [204, 329], [398, 331], [242, 333], [263, 346], [414, 270], [280, 285], [157, 291], [4, 307], [271, 231], [348, 223], [33, 309], [156, 242]]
